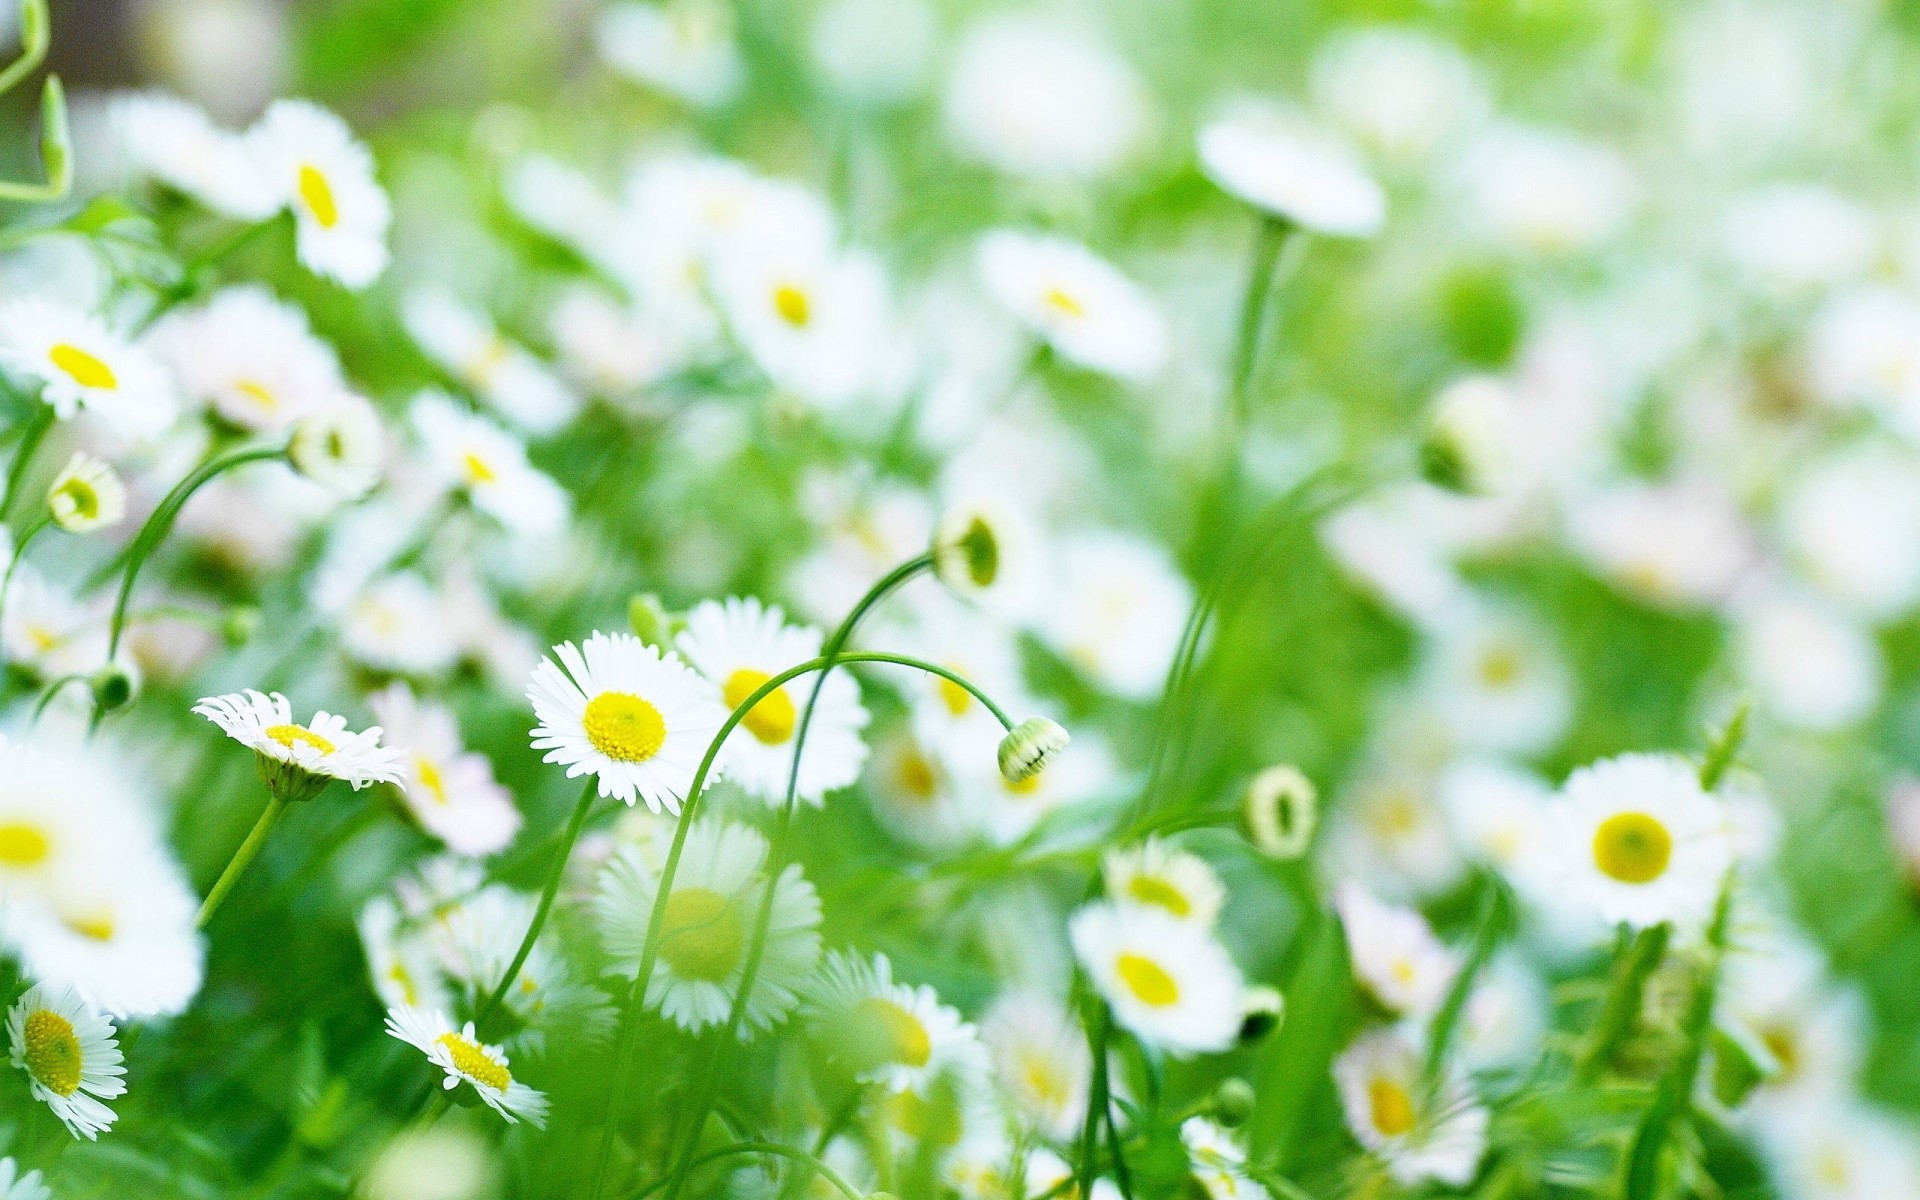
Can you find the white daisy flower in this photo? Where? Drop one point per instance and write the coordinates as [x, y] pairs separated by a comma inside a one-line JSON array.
[[1160, 876], [739, 644], [1278, 162], [71, 1058], [449, 790], [1402, 92], [1809, 666], [916, 798], [1041, 1060], [610, 348], [296, 760], [1681, 544], [1168, 980], [16, 1185], [1116, 610], [1076, 302], [251, 358], [1217, 1163], [398, 624], [616, 708], [708, 926], [894, 1034], [86, 495], [465, 341], [459, 1053], [1419, 1135], [1496, 680], [1640, 842], [683, 48], [175, 142], [1505, 1021], [1839, 1149], [469, 454], [1548, 192], [319, 171], [400, 962], [81, 364], [1390, 832], [1395, 954], [341, 446]]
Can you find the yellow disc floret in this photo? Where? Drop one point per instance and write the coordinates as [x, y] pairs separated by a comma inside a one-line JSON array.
[[23, 845], [1632, 847], [82, 367], [624, 727], [475, 1062], [317, 194], [772, 719], [701, 936], [52, 1052], [1147, 980], [299, 735]]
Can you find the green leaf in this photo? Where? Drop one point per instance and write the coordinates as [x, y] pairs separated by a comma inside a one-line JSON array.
[[1294, 1064]]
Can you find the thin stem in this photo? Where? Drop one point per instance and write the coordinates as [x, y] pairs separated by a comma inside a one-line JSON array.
[[19, 552], [579, 819], [1097, 1111], [38, 424], [237, 865], [775, 1148], [1487, 930], [1634, 963]]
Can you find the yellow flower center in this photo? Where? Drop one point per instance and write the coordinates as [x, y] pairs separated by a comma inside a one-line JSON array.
[[772, 719], [23, 845], [1392, 1107], [882, 1032], [1063, 302], [1147, 980], [475, 1063], [479, 473], [1784, 1044], [299, 735], [317, 194], [99, 926], [1044, 1080], [1022, 788], [1500, 666], [403, 979], [83, 368], [257, 392], [480, 368], [793, 305], [701, 937], [1632, 847], [1150, 889], [916, 777], [430, 778], [957, 699], [624, 727], [52, 1052]]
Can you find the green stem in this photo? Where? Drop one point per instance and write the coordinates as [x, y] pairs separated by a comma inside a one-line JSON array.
[[38, 424], [1634, 963], [574, 825], [237, 865], [775, 1148], [1099, 1028], [1487, 931], [19, 552]]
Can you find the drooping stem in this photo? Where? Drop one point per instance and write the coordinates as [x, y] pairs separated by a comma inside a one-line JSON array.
[[242, 858], [38, 423], [811, 1161], [574, 825]]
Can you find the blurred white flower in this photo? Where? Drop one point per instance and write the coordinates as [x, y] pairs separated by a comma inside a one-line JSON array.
[[1168, 980], [464, 341], [1548, 192], [317, 170], [683, 48], [1076, 302], [1116, 610], [81, 364], [1850, 520], [1807, 665], [1495, 678], [1789, 237], [1401, 91], [1395, 954], [874, 51], [467, 454], [1679, 544], [1419, 1135], [450, 790], [1277, 161], [249, 357], [175, 142], [1041, 1060]]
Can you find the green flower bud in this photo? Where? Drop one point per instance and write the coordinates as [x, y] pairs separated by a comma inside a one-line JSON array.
[[1027, 749]]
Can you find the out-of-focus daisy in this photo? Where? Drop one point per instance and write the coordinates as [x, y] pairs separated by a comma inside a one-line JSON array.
[[18, 1185], [916, 797], [1075, 302], [1808, 665], [250, 357], [739, 644], [1547, 192], [398, 624], [1790, 237], [1116, 610], [86, 495], [1160, 876], [460, 1053], [81, 364], [1678, 544], [448, 789], [709, 924], [609, 348], [1851, 523], [1281, 164], [175, 142], [1395, 954], [1390, 832], [1217, 1164], [1420, 1134], [1501, 816], [987, 552], [400, 961], [341, 446], [1041, 1059], [1843, 1149], [71, 1058], [1006, 810], [1496, 680], [1505, 1019], [1640, 842], [892, 1033], [873, 51], [298, 761], [683, 48], [318, 170], [464, 340], [1861, 351], [617, 709], [1402, 92], [1168, 980], [471, 455]]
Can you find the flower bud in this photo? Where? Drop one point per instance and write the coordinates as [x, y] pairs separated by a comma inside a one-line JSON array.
[[1469, 446], [1233, 1101], [1281, 809], [1029, 746], [86, 495], [340, 446], [649, 620], [113, 687], [240, 624], [1261, 1011]]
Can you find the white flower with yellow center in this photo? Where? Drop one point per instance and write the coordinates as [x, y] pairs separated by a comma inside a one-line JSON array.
[[1116, 610], [1168, 980], [71, 1058], [740, 644], [399, 624], [14, 1185], [296, 760], [175, 142], [319, 171], [1008, 810], [1497, 681], [1395, 953], [81, 364], [465, 341], [1041, 1061], [615, 708], [1640, 842], [894, 1034], [43, 833], [86, 495], [341, 446], [449, 790], [1163, 877], [460, 1053], [916, 797], [400, 963], [468, 454], [708, 928], [1279, 163], [1217, 1163], [1420, 1134], [1390, 832], [249, 357], [48, 631], [1076, 302]]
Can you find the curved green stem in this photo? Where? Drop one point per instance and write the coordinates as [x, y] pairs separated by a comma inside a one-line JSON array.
[[242, 858], [579, 819], [775, 1148], [38, 424]]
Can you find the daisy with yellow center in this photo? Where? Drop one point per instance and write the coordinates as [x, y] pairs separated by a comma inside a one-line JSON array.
[[894, 1034], [325, 177], [464, 341], [1160, 876], [86, 495], [1421, 1133], [460, 1053], [1640, 842], [81, 364], [1217, 1163], [70, 1056], [739, 644], [250, 357], [1395, 954], [298, 761], [450, 791], [1076, 302], [615, 708], [468, 454], [400, 963], [1167, 980], [708, 928], [1041, 1060]]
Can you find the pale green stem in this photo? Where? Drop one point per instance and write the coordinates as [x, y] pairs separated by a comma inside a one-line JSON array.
[[574, 825], [38, 423], [242, 858], [19, 552]]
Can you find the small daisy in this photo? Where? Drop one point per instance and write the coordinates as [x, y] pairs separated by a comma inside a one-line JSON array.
[[176, 143], [1116, 610], [1497, 681], [1641, 842], [341, 446], [318, 170], [470, 455], [1419, 1135], [449, 790], [400, 963], [1395, 954], [1280, 164], [251, 358], [684, 48], [464, 341], [1041, 1060], [463, 1056], [1168, 980], [918, 800], [474, 938], [891, 1033], [86, 495], [298, 761], [618, 709], [70, 1056], [14, 1185], [1282, 809], [398, 624], [1159, 876], [80, 363], [708, 926], [1217, 1163], [1076, 302], [739, 644]]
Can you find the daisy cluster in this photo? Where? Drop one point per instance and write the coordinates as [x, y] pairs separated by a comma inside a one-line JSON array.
[[682, 598]]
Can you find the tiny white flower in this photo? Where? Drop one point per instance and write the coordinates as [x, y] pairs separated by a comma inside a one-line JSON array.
[[71, 1058], [1168, 980], [469, 454], [175, 142], [1076, 302], [464, 340], [81, 364], [251, 358], [1395, 954], [86, 495], [1419, 1134], [684, 48], [450, 790], [296, 760], [1281, 164], [460, 1053], [341, 446]]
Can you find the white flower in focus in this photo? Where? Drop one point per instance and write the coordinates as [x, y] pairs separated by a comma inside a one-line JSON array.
[[469, 454], [1279, 163], [1041, 1060], [297, 761], [450, 790], [616, 708], [81, 364], [1159, 876], [1168, 980], [319, 171], [174, 141], [464, 341], [71, 1058], [86, 495], [463, 1056], [250, 357], [1075, 301], [1395, 954], [1418, 1135], [1638, 841], [682, 47], [341, 446]]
